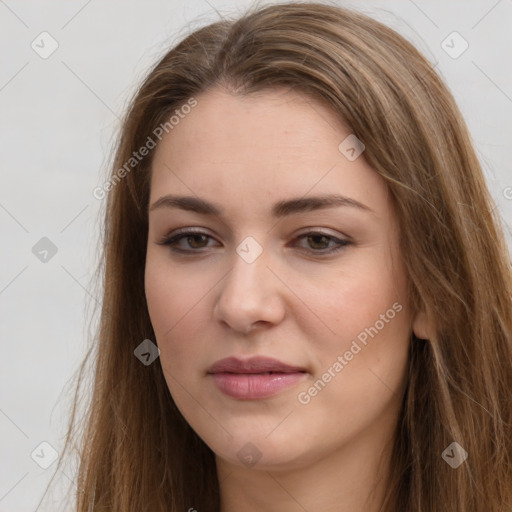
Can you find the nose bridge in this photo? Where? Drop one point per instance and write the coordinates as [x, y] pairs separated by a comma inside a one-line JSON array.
[[249, 270], [247, 294]]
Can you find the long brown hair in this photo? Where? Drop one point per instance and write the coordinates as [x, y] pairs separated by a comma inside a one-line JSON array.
[[136, 450]]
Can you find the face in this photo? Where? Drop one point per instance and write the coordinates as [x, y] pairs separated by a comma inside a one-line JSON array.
[[314, 293]]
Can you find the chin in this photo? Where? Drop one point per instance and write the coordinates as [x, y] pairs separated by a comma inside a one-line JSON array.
[[253, 450]]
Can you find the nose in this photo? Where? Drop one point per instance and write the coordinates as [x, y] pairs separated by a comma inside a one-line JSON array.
[[250, 296]]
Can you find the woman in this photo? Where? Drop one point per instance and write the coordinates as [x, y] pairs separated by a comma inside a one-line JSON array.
[[297, 219]]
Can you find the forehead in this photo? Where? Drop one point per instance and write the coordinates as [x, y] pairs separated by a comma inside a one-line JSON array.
[[254, 150], [278, 124]]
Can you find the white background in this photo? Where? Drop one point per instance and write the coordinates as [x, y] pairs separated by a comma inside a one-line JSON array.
[[59, 117]]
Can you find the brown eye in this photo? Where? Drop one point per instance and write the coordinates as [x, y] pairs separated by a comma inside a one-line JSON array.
[[195, 238], [192, 241], [319, 243]]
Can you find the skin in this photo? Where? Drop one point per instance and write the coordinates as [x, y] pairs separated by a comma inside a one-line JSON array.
[[244, 153]]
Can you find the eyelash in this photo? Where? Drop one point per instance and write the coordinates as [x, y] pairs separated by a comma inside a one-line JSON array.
[[171, 240]]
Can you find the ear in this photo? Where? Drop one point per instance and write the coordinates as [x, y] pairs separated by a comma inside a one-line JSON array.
[[421, 326]]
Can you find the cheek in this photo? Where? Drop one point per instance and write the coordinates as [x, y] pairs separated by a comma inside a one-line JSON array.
[[369, 325], [355, 298], [171, 293], [170, 298], [179, 309]]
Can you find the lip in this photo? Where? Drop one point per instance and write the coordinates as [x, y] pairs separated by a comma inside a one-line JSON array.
[[254, 378]]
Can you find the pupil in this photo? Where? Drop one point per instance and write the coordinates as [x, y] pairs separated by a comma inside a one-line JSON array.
[[195, 237], [313, 237]]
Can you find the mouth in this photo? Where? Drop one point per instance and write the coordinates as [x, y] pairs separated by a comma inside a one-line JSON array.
[[255, 378], [253, 365]]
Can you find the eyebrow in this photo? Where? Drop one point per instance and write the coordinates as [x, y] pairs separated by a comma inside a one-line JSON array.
[[279, 209]]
